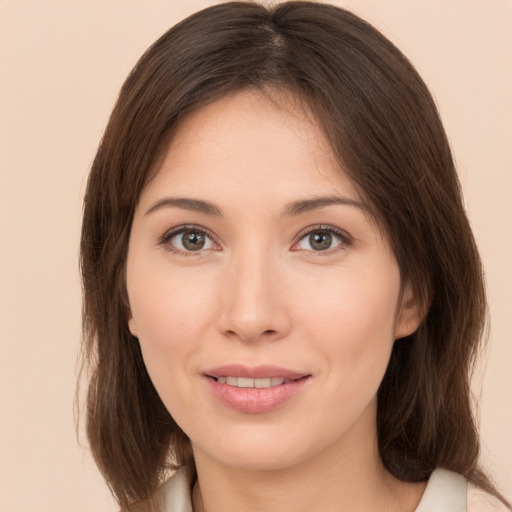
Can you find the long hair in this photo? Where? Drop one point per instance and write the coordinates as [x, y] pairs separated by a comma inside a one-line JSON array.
[[383, 127]]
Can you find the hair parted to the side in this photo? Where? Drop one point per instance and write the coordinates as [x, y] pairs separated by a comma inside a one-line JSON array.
[[383, 127]]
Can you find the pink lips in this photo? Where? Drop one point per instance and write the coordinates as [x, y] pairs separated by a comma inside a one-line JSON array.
[[254, 399]]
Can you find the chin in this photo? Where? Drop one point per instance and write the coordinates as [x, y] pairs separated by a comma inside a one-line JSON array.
[[260, 449], [254, 458]]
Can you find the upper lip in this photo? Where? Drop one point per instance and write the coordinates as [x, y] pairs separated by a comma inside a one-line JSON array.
[[254, 372]]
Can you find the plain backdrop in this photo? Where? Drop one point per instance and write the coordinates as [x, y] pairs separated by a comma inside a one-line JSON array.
[[62, 63]]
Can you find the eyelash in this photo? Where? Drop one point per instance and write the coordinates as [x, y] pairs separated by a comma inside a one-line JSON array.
[[346, 240], [169, 235]]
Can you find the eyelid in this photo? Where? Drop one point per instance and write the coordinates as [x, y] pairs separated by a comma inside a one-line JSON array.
[[163, 240], [174, 231], [346, 239]]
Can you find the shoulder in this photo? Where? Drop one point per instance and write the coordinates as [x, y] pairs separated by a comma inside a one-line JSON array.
[[172, 496], [447, 491], [481, 501]]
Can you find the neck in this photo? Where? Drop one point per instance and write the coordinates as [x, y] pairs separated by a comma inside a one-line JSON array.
[[348, 476]]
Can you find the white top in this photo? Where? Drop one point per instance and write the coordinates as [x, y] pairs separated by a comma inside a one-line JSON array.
[[445, 492]]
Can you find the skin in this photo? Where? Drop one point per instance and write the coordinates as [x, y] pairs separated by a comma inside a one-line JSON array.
[[260, 292]]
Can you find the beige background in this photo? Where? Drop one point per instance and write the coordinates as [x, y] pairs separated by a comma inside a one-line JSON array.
[[61, 65]]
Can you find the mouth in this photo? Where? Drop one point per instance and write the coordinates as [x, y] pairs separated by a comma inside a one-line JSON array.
[[246, 382], [261, 377], [257, 389]]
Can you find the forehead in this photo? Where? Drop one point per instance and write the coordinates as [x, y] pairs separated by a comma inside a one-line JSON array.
[[252, 145]]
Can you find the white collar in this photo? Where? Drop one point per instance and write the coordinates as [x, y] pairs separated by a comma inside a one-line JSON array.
[[445, 492]]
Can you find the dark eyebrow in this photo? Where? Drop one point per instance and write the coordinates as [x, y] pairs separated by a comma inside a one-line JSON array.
[[290, 210], [307, 205], [185, 203]]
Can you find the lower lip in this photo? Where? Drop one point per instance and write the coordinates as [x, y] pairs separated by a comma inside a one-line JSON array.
[[256, 400]]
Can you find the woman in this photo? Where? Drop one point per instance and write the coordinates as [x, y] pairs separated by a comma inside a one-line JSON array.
[[282, 294]]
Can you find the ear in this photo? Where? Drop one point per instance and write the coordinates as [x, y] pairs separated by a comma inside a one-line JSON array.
[[132, 327], [128, 311], [410, 314], [131, 323]]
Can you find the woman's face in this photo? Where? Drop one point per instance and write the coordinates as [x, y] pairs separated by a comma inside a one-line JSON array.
[[265, 299]]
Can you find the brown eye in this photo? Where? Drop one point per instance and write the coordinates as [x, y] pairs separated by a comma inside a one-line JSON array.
[[321, 240], [190, 240], [193, 240]]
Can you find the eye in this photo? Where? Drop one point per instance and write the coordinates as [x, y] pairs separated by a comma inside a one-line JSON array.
[[322, 239], [188, 239]]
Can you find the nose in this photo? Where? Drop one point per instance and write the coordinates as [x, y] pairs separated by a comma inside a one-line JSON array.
[[253, 298]]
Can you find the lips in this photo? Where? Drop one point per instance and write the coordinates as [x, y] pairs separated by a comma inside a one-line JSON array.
[[254, 372], [254, 389], [246, 382]]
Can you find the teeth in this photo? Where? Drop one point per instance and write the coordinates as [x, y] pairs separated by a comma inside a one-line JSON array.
[[244, 382], [263, 383]]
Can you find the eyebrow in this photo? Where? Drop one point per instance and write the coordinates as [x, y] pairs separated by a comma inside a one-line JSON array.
[[185, 203], [290, 210], [315, 203]]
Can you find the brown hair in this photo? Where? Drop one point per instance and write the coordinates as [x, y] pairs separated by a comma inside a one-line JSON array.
[[383, 127]]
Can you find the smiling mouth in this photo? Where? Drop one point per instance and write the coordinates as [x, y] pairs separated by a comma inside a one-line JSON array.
[[245, 382], [256, 389], [236, 376]]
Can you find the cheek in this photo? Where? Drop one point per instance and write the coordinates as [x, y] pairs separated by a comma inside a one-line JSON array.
[[166, 301], [172, 312], [351, 320]]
